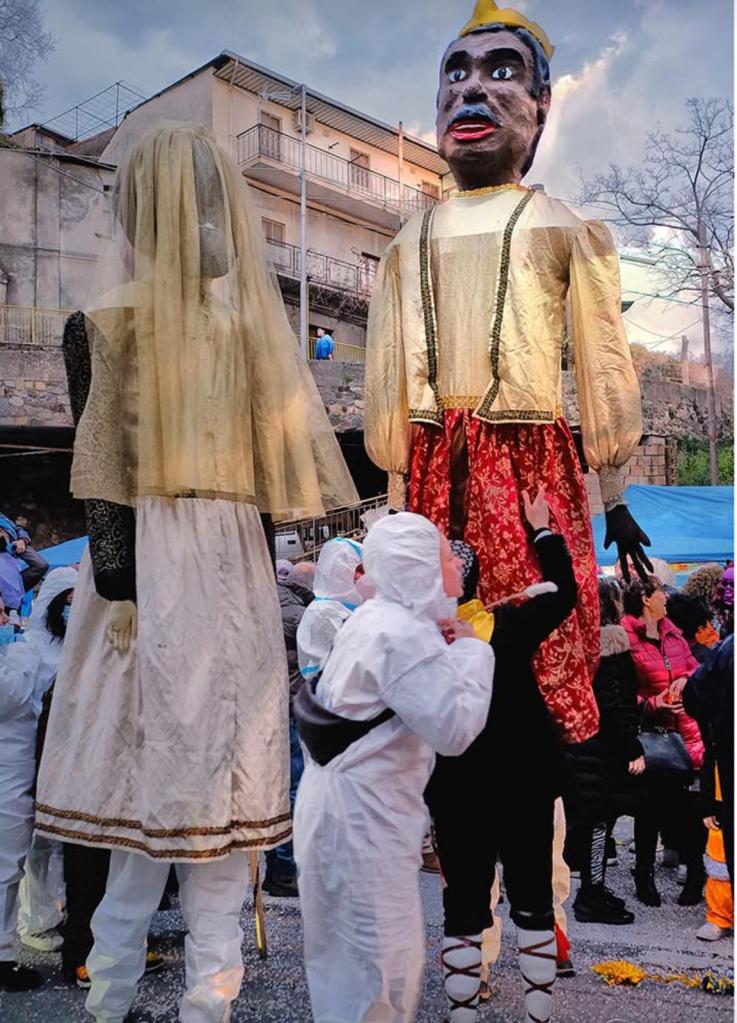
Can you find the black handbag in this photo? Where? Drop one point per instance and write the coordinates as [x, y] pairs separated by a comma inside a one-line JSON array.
[[665, 753]]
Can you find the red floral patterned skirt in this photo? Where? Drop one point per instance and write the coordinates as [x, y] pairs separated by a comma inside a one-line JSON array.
[[503, 460]]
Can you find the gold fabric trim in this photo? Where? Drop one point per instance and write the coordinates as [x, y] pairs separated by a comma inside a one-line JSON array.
[[420, 415], [133, 825], [496, 325], [163, 854], [428, 306], [516, 415], [453, 401], [471, 193]]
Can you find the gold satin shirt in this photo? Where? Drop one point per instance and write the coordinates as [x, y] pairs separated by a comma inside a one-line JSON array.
[[469, 311]]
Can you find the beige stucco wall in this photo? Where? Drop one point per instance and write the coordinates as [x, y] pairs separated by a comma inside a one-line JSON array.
[[50, 211]]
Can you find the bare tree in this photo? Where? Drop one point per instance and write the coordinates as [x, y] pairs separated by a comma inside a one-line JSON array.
[[685, 184], [23, 42]]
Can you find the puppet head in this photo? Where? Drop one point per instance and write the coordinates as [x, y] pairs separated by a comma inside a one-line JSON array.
[[494, 97]]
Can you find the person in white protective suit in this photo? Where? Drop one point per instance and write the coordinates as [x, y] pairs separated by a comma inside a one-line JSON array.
[[410, 683], [339, 588], [27, 669]]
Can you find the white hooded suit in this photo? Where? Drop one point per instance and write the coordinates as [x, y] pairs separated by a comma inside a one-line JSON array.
[[359, 821], [27, 669]]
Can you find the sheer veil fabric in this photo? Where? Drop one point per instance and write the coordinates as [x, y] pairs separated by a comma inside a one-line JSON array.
[[198, 386]]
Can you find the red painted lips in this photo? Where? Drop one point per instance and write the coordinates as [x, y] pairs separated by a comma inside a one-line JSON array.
[[471, 129]]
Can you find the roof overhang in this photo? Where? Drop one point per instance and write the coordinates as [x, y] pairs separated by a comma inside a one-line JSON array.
[[232, 68]]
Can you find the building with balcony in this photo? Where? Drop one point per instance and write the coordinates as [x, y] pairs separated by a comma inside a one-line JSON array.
[[364, 178]]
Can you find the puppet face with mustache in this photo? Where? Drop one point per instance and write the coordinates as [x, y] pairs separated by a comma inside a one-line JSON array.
[[488, 120]]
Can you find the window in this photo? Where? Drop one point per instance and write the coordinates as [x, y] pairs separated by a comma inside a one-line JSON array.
[[273, 230], [367, 271], [271, 136], [359, 170], [428, 188]]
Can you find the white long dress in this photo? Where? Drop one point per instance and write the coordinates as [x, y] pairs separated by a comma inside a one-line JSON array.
[[179, 748], [360, 820]]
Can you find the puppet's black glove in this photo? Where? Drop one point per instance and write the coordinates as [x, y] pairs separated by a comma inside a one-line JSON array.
[[622, 530]]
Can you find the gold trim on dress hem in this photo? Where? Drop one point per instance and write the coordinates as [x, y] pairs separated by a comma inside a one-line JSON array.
[[425, 416], [133, 825], [163, 854]]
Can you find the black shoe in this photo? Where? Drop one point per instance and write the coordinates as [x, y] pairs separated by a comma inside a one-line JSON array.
[[645, 888], [282, 887], [595, 907], [693, 890], [612, 898], [14, 977]]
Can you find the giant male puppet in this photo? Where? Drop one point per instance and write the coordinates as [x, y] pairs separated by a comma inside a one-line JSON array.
[[463, 387], [463, 398]]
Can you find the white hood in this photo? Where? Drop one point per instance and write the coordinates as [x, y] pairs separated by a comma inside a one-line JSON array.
[[335, 572], [401, 555], [48, 648], [336, 597]]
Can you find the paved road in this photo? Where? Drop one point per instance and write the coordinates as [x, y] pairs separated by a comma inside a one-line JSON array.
[[275, 991]]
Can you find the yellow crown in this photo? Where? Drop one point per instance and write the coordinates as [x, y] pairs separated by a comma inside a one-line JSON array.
[[486, 12]]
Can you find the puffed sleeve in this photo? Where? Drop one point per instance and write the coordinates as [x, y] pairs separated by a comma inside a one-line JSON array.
[[386, 418], [608, 391]]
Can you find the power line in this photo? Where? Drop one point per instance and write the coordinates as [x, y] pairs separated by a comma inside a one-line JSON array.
[[49, 166], [668, 337]]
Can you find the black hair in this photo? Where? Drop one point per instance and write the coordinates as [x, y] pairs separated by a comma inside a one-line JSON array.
[[55, 615], [689, 613], [610, 600], [540, 63], [634, 592]]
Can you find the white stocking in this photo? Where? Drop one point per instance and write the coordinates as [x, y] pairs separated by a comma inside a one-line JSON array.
[[461, 959], [537, 966]]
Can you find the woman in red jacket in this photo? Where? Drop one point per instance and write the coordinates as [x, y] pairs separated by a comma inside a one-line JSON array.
[[663, 662]]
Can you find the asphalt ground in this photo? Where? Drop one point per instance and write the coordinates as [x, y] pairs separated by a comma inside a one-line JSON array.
[[275, 991]]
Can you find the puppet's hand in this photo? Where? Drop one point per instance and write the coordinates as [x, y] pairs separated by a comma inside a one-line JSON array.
[[622, 530], [122, 624]]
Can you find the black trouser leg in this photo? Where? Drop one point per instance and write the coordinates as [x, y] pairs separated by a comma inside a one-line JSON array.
[[38, 566], [526, 852], [85, 878], [468, 861]]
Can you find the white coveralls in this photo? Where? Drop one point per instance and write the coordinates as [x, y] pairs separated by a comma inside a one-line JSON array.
[[359, 821], [27, 669], [336, 598]]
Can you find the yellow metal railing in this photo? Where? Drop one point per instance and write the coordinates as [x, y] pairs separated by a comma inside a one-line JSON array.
[[32, 325], [341, 351]]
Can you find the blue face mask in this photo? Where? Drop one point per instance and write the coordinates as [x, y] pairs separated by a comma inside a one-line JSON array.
[[65, 613]]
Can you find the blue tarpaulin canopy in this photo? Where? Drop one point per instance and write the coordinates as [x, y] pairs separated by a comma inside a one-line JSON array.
[[68, 553], [684, 523]]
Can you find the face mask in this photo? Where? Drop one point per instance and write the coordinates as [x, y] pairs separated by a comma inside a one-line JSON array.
[[67, 610]]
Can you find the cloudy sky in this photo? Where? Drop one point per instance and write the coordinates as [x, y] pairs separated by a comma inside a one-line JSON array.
[[620, 66]]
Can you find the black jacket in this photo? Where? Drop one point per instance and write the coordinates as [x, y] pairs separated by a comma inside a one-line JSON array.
[[598, 781], [293, 600], [519, 739], [709, 698]]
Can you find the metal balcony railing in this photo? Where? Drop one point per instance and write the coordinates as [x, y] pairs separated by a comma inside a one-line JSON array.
[[323, 269], [30, 325], [261, 141], [303, 540]]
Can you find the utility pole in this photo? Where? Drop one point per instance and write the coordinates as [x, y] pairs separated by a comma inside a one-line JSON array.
[[400, 154], [303, 293], [705, 320]]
